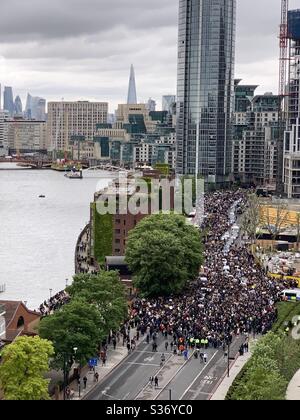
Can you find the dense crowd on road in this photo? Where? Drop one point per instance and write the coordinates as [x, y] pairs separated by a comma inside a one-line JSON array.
[[233, 294]]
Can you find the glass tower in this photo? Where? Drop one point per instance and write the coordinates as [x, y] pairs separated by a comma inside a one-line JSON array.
[[132, 97], [205, 88], [8, 100]]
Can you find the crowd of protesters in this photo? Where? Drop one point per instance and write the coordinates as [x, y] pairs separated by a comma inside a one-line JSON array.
[[232, 295], [83, 265], [56, 302]]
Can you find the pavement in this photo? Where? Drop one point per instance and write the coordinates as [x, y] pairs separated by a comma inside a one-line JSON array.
[[293, 391], [226, 382], [179, 379], [114, 358]]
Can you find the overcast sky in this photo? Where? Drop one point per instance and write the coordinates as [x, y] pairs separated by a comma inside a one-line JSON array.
[[82, 49]]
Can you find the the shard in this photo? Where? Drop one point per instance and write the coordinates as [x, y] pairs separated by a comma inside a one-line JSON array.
[[132, 97]]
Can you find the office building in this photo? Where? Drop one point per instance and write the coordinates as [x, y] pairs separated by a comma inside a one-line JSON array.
[[67, 119], [18, 107], [25, 136], [8, 103]]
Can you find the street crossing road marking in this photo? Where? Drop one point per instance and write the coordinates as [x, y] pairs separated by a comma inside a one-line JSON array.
[[193, 383], [142, 364], [149, 359]]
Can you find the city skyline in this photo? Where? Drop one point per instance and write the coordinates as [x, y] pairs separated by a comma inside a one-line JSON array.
[[97, 69]]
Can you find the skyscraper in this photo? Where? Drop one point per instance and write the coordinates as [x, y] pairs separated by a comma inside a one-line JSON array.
[[167, 103], [151, 105], [18, 107], [132, 97], [206, 52], [35, 108], [8, 100]]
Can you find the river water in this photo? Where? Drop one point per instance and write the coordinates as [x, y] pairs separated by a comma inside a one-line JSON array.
[[38, 236]]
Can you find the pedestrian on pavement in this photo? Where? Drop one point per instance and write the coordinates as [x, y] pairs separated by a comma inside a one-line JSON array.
[[163, 359], [84, 382], [148, 339], [156, 382], [96, 377], [115, 343], [201, 357], [166, 345], [151, 380], [172, 345], [104, 361], [205, 357], [68, 393], [128, 347]]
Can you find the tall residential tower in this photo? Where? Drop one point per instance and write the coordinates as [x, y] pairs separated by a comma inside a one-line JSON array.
[[205, 87]]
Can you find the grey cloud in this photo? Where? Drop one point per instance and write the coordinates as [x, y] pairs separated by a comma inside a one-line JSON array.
[[83, 48]]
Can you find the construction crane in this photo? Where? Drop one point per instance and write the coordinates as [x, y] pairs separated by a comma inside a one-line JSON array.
[[284, 44], [282, 91]]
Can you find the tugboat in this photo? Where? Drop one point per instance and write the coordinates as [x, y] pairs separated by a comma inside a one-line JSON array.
[[74, 174]]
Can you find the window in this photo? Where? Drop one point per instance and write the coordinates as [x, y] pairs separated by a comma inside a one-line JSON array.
[[21, 322]]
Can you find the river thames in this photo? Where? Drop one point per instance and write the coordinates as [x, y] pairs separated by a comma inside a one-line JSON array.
[[38, 235]]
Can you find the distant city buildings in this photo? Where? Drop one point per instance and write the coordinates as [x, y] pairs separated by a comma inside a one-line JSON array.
[[138, 137], [255, 136], [35, 108], [206, 53]]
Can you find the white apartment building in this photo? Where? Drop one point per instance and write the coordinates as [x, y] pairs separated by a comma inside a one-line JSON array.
[[3, 134], [67, 119], [25, 135]]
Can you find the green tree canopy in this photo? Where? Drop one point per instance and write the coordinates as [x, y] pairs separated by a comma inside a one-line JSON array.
[[25, 363], [76, 325], [164, 253], [106, 292]]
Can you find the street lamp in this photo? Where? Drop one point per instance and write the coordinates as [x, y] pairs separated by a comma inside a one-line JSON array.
[[50, 290], [228, 361], [65, 370]]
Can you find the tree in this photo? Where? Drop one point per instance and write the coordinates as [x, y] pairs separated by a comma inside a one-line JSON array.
[[251, 218], [262, 384], [164, 253], [25, 362], [274, 218], [298, 230], [76, 325], [107, 293]]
